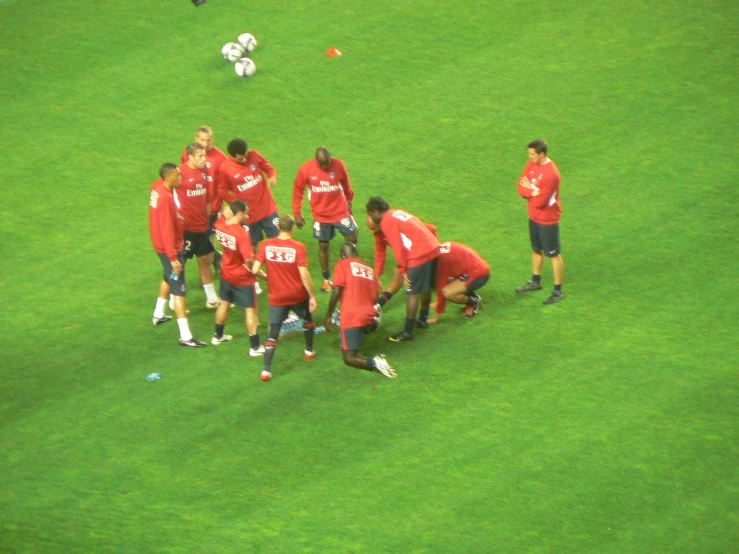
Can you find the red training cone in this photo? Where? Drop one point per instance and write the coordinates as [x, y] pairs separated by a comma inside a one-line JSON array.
[[333, 52]]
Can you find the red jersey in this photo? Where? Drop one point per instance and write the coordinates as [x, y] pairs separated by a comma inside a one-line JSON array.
[[213, 159], [237, 249], [194, 197], [328, 191], [359, 290], [545, 208], [165, 222], [381, 249], [282, 258], [455, 260], [246, 182], [412, 242]]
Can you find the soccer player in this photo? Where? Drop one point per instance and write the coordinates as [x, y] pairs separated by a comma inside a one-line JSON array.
[[195, 208], [290, 288], [166, 230], [539, 185], [460, 272], [213, 159], [355, 285], [246, 175], [237, 280], [416, 251], [330, 194]]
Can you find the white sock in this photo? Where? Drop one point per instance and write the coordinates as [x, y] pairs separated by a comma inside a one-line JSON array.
[[210, 293], [185, 333], [171, 302], [159, 310]]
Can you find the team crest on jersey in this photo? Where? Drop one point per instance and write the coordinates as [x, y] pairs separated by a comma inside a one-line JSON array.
[[207, 164], [253, 167], [331, 174]]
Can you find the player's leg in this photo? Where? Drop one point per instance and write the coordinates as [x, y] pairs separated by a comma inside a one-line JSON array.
[[159, 316], [227, 292], [419, 278], [277, 315], [429, 282], [309, 327], [323, 233], [552, 249], [537, 259], [352, 341], [252, 329], [206, 276]]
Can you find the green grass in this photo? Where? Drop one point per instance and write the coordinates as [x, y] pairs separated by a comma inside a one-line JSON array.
[[606, 423]]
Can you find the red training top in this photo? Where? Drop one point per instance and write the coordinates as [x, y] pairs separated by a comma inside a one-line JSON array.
[[213, 159], [282, 258], [194, 197], [412, 242], [456, 259], [545, 208], [328, 191], [237, 249], [246, 182], [359, 290], [381, 249], [165, 223]]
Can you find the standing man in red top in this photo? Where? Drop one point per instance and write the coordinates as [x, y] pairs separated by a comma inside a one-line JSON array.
[[416, 251], [246, 175], [330, 194], [290, 288], [237, 280], [539, 184], [356, 286], [165, 228], [213, 159], [195, 208], [461, 271]]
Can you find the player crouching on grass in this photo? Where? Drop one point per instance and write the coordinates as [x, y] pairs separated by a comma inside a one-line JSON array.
[[355, 285], [290, 288], [237, 280]]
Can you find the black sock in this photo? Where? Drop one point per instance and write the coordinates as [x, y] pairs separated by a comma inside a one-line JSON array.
[[219, 330], [326, 274], [308, 333], [409, 325], [424, 315], [558, 289], [371, 365], [471, 299], [254, 340], [536, 278], [269, 352]]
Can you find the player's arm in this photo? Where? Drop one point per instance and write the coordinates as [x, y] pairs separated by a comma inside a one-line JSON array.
[[268, 169], [221, 186], [380, 254], [298, 188], [396, 243], [335, 295], [167, 232], [308, 284], [546, 191], [524, 186], [346, 184]]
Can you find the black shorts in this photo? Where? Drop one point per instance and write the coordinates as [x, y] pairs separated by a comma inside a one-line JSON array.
[[545, 238], [278, 314], [268, 225], [176, 282], [473, 282], [327, 231], [422, 277], [353, 338], [198, 244], [241, 295]]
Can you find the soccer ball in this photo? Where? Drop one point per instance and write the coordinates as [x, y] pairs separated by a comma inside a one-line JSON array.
[[247, 41], [232, 51], [245, 67]]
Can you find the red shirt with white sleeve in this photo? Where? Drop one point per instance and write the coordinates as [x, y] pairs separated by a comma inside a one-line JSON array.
[[381, 249], [213, 159], [544, 208], [281, 258], [194, 197], [329, 191], [247, 182], [237, 249], [359, 290], [412, 242], [165, 222], [455, 260]]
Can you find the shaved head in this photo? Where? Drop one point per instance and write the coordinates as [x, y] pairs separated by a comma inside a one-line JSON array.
[[349, 250], [323, 157]]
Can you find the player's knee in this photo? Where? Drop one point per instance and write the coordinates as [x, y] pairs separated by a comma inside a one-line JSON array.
[[352, 238]]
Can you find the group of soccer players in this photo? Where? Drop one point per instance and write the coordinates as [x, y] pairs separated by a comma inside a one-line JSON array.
[[230, 197]]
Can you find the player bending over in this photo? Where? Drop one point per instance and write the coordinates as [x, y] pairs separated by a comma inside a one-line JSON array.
[[460, 272], [355, 285]]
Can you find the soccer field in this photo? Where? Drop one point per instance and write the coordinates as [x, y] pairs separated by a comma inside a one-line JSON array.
[[606, 423]]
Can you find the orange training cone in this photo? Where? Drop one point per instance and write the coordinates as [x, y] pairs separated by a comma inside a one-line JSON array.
[[333, 52]]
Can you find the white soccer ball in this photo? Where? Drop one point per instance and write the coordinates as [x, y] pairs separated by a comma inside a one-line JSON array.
[[247, 41], [245, 67], [232, 51]]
